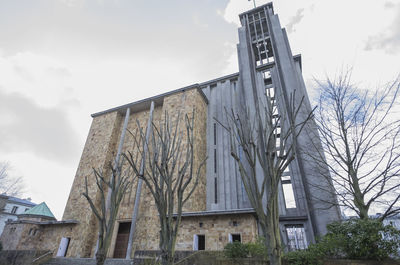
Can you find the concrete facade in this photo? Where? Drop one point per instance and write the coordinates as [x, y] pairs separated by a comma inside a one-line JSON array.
[[219, 207], [266, 66]]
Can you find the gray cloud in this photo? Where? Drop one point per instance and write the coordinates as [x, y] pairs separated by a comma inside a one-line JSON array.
[[44, 131], [24, 73], [295, 20], [60, 72], [389, 41], [124, 28], [389, 4]]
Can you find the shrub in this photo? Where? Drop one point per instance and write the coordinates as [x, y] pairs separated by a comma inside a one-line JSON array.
[[258, 249], [352, 239], [363, 239], [313, 255], [254, 250], [302, 257], [236, 250], [151, 261]]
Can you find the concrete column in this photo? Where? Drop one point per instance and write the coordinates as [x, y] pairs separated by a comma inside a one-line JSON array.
[[291, 82]]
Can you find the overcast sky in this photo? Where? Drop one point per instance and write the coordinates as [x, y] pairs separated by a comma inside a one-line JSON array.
[[62, 60]]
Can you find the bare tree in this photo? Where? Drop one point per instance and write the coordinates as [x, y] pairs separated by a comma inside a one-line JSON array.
[[168, 174], [360, 133], [268, 140], [104, 211], [9, 185]]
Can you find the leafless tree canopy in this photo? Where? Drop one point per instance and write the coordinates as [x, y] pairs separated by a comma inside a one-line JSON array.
[[169, 173], [268, 140], [117, 185], [360, 133], [9, 185]]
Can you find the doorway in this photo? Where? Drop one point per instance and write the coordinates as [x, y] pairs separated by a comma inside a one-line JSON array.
[[121, 243], [199, 242], [63, 248]]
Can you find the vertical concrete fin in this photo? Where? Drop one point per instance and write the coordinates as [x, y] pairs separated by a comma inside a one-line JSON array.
[[305, 175], [139, 186], [116, 165]]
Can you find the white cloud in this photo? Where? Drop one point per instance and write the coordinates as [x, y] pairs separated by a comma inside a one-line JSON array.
[[389, 39], [235, 7]]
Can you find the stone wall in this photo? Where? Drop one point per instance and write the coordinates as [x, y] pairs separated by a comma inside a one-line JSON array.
[[198, 202], [51, 235], [99, 150], [11, 235], [147, 227], [147, 219], [216, 230], [31, 236]]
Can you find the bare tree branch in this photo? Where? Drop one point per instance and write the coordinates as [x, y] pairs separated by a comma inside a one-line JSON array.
[[169, 173], [271, 143], [10, 185], [360, 133], [117, 184]]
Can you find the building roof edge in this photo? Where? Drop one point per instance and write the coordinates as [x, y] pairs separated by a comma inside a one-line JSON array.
[[258, 7], [145, 103]]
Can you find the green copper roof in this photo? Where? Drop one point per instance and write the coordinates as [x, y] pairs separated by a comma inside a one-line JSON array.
[[40, 209]]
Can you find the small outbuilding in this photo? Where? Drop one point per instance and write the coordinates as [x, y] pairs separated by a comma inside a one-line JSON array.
[[36, 229]]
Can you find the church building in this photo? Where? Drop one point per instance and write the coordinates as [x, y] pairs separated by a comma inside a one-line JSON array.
[[219, 211]]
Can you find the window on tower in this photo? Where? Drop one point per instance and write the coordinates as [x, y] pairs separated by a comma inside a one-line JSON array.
[[296, 237], [260, 38]]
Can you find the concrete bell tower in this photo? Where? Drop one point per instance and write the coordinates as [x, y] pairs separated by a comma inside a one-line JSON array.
[[267, 66]]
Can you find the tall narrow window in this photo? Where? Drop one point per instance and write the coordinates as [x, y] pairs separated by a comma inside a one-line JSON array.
[[215, 134], [288, 193], [14, 209], [215, 165], [260, 39], [215, 160], [215, 190]]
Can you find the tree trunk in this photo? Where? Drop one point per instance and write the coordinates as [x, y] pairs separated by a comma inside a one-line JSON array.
[[167, 251], [274, 236], [359, 201], [266, 236], [166, 258], [100, 256], [363, 209]]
